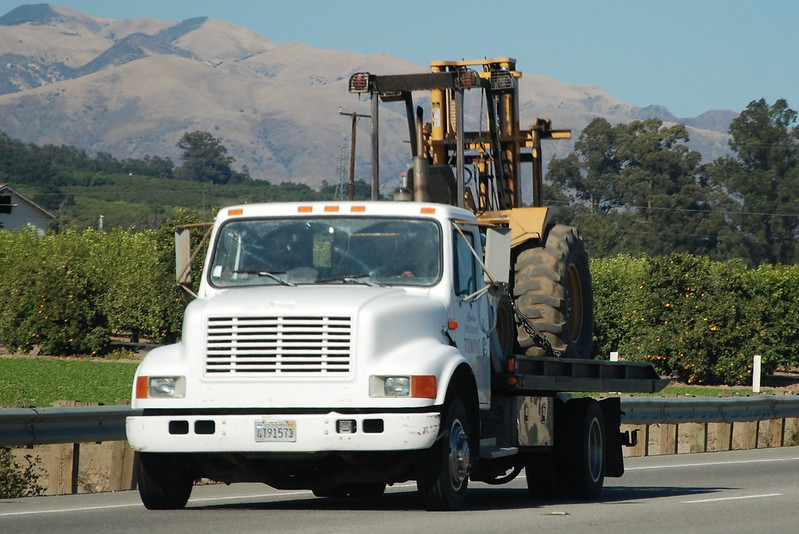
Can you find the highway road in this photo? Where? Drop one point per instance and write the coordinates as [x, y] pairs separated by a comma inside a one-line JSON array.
[[729, 492]]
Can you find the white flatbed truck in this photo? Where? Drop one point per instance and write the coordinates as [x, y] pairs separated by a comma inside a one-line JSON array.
[[345, 346]]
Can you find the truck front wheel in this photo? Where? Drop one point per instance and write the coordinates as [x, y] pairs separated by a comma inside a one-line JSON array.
[[164, 481], [443, 470]]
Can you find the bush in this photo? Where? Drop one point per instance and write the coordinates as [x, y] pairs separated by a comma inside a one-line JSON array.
[[616, 282], [17, 480], [778, 285], [51, 295], [696, 320], [65, 294], [139, 296]]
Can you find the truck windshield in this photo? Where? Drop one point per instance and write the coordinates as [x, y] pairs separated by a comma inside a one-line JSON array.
[[372, 251]]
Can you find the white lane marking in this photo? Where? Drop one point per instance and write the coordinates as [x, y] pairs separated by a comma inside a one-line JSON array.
[[59, 511], [191, 501], [717, 499], [708, 464], [138, 504]]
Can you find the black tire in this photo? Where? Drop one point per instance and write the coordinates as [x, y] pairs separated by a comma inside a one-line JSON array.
[[542, 473], [443, 470], [506, 329], [585, 449], [165, 483], [503, 340], [552, 287]]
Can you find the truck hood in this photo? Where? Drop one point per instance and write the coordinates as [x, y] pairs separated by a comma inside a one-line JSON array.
[[318, 299], [325, 331]]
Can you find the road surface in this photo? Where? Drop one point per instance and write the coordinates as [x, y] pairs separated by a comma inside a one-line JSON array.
[[740, 491]]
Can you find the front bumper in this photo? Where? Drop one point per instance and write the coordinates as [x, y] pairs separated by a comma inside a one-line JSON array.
[[313, 432]]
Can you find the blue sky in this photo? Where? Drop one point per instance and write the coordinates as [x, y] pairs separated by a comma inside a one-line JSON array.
[[688, 55]]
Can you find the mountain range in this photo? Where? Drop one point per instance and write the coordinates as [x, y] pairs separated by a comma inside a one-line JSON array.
[[132, 88]]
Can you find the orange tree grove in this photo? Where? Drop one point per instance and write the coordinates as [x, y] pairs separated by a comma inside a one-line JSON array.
[[69, 293], [698, 320]]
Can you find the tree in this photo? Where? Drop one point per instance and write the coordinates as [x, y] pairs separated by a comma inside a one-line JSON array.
[[149, 166], [589, 175], [761, 184], [660, 182], [639, 185], [205, 159]]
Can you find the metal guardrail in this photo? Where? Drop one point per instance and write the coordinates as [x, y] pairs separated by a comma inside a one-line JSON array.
[[653, 410], [20, 427]]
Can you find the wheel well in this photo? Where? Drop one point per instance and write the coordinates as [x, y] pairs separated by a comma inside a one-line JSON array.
[[463, 386]]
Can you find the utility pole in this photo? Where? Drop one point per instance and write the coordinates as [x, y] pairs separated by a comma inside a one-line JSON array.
[[355, 117]]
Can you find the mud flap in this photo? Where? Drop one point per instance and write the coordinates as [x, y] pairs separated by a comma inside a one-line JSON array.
[[611, 411]]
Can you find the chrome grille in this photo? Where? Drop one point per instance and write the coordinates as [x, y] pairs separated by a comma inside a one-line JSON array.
[[278, 345]]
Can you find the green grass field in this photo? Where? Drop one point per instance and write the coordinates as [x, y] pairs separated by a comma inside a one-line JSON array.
[[39, 382]]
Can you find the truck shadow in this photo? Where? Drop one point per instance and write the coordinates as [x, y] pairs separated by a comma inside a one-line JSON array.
[[479, 499]]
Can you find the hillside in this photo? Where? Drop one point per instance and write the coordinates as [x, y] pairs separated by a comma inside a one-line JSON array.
[[132, 88]]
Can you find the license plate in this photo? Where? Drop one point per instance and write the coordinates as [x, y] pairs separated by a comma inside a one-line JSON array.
[[275, 431]]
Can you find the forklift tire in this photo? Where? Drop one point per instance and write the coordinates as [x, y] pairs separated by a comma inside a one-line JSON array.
[[552, 287], [164, 483]]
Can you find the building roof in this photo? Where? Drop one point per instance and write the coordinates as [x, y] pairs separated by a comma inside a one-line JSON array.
[[6, 188]]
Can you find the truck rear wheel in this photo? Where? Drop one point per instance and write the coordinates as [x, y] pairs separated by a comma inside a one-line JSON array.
[[443, 469], [585, 449], [553, 289], [164, 482]]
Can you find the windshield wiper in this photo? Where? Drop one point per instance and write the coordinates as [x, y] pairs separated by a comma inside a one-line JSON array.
[[347, 278], [270, 274]]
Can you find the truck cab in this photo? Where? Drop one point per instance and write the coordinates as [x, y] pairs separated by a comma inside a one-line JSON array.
[[325, 344]]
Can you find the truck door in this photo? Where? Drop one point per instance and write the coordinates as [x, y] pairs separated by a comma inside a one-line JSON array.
[[470, 310]]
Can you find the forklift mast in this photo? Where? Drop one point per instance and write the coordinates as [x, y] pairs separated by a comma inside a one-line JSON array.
[[493, 154]]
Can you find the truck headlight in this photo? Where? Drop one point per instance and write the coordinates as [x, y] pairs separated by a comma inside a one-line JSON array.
[[423, 386], [160, 387], [396, 386]]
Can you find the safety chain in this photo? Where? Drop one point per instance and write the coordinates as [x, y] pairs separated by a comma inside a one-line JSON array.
[[537, 337]]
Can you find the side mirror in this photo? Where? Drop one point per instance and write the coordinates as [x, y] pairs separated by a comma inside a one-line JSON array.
[[497, 254], [183, 256]]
